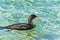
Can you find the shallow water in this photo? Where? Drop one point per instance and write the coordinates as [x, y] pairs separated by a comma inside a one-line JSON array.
[[17, 11]]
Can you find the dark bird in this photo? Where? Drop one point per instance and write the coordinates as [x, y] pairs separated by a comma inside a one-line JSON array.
[[23, 26]]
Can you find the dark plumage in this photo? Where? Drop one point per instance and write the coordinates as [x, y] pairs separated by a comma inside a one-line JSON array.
[[23, 26]]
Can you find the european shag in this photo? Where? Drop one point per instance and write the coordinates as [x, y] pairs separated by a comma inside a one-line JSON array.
[[23, 26]]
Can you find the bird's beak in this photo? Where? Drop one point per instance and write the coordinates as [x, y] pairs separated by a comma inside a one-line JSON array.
[[38, 17]]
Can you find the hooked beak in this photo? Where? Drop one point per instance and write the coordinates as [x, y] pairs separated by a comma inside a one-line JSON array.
[[38, 17]]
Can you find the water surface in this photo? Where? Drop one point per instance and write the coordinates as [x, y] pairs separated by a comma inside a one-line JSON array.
[[17, 11]]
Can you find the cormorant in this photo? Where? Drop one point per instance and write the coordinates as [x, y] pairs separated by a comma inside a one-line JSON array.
[[23, 26]]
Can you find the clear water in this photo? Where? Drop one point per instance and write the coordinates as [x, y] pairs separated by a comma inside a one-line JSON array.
[[17, 11]]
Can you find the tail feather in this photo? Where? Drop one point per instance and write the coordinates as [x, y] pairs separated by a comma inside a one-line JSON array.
[[1, 28]]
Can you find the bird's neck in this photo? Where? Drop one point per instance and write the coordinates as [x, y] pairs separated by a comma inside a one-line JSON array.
[[30, 20]]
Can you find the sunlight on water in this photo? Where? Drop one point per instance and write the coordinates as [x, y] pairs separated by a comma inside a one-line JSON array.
[[17, 11]]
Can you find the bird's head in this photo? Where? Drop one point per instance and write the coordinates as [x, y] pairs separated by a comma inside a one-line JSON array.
[[31, 17], [34, 16]]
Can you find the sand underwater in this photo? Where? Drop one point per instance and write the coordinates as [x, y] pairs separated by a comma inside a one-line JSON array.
[[17, 11]]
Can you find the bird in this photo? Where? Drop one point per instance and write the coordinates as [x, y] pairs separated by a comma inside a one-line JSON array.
[[23, 26]]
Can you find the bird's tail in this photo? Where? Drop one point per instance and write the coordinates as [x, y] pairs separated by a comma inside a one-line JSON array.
[[1, 27]]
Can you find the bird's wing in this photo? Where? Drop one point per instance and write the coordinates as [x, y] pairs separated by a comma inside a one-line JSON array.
[[22, 26], [17, 26]]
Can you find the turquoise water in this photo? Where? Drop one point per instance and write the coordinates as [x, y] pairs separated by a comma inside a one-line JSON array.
[[17, 11]]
